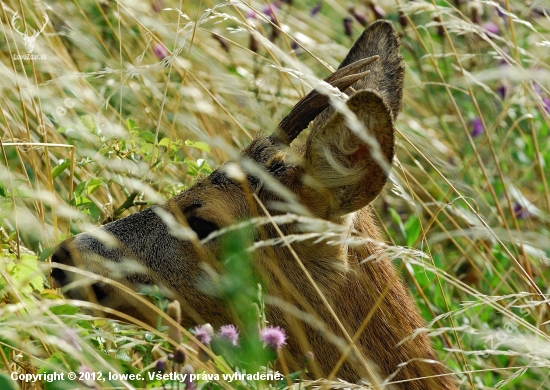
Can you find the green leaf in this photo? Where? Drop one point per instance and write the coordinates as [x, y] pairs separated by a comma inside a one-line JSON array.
[[146, 149], [292, 377], [82, 200], [412, 228], [80, 188], [57, 362], [60, 168], [26, 273], [47, 252], [165, 142], [152, 292], [131, 124], [95, 211], [397, 219], [89, 122], [122, 354], [6, 383], [50, 294], [147, 136], [93, 185], [192, 168], [198, 145], [64, 309], [7, 345]]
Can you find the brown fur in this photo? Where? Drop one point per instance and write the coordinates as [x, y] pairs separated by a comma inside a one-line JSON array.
[[321, 305]]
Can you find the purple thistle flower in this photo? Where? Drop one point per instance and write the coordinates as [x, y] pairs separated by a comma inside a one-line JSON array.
[[189, 385], [539, 11], [379, 13], [204, 333], [501, 14], [70, 336], [403, 21], [316, 8], [520, 212], [440, 30], [253, 44], [477, 127], [492, 28], [187, 371], [179, 355], [361, 19], [158, 6], [84, 369], [452, 161], [502, 91], [275, 30], [89, 383], [160, 51], [274, 337], [270, 11], [222, 41], [545, 100], [229, 333], [348, 29], [161, 366], [309, 357]]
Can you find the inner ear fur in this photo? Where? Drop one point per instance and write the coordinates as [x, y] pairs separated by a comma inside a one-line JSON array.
[[338, 164]]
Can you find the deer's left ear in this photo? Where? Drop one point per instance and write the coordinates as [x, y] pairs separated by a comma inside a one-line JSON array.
[[339, 165]]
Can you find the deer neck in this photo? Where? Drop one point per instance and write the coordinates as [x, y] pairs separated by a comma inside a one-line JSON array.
[[365, 301]]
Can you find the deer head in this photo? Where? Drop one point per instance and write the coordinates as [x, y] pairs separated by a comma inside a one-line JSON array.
[[340, 170], [28, 40]]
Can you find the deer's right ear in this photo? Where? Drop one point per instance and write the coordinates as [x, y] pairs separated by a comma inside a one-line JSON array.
[[343, 171], [386, 75]]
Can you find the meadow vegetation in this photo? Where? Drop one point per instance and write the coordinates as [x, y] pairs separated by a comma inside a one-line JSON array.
[[122, 105]]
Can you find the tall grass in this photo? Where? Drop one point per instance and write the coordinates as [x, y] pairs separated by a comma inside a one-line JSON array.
[[124, 104]]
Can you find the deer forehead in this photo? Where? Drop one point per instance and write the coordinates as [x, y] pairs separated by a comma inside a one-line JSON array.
[[219, 202], [220, 196]]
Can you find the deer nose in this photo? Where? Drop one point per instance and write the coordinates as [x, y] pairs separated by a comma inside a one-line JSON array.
[[65, 254], [62, 255]]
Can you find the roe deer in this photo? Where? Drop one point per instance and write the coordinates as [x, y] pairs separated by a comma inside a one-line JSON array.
[[335, 177]]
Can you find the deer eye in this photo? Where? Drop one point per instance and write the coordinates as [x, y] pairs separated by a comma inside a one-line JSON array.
[[201, 226]]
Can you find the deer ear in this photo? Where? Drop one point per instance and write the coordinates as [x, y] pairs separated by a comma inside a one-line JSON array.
[[341, 168], [386, 75]]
